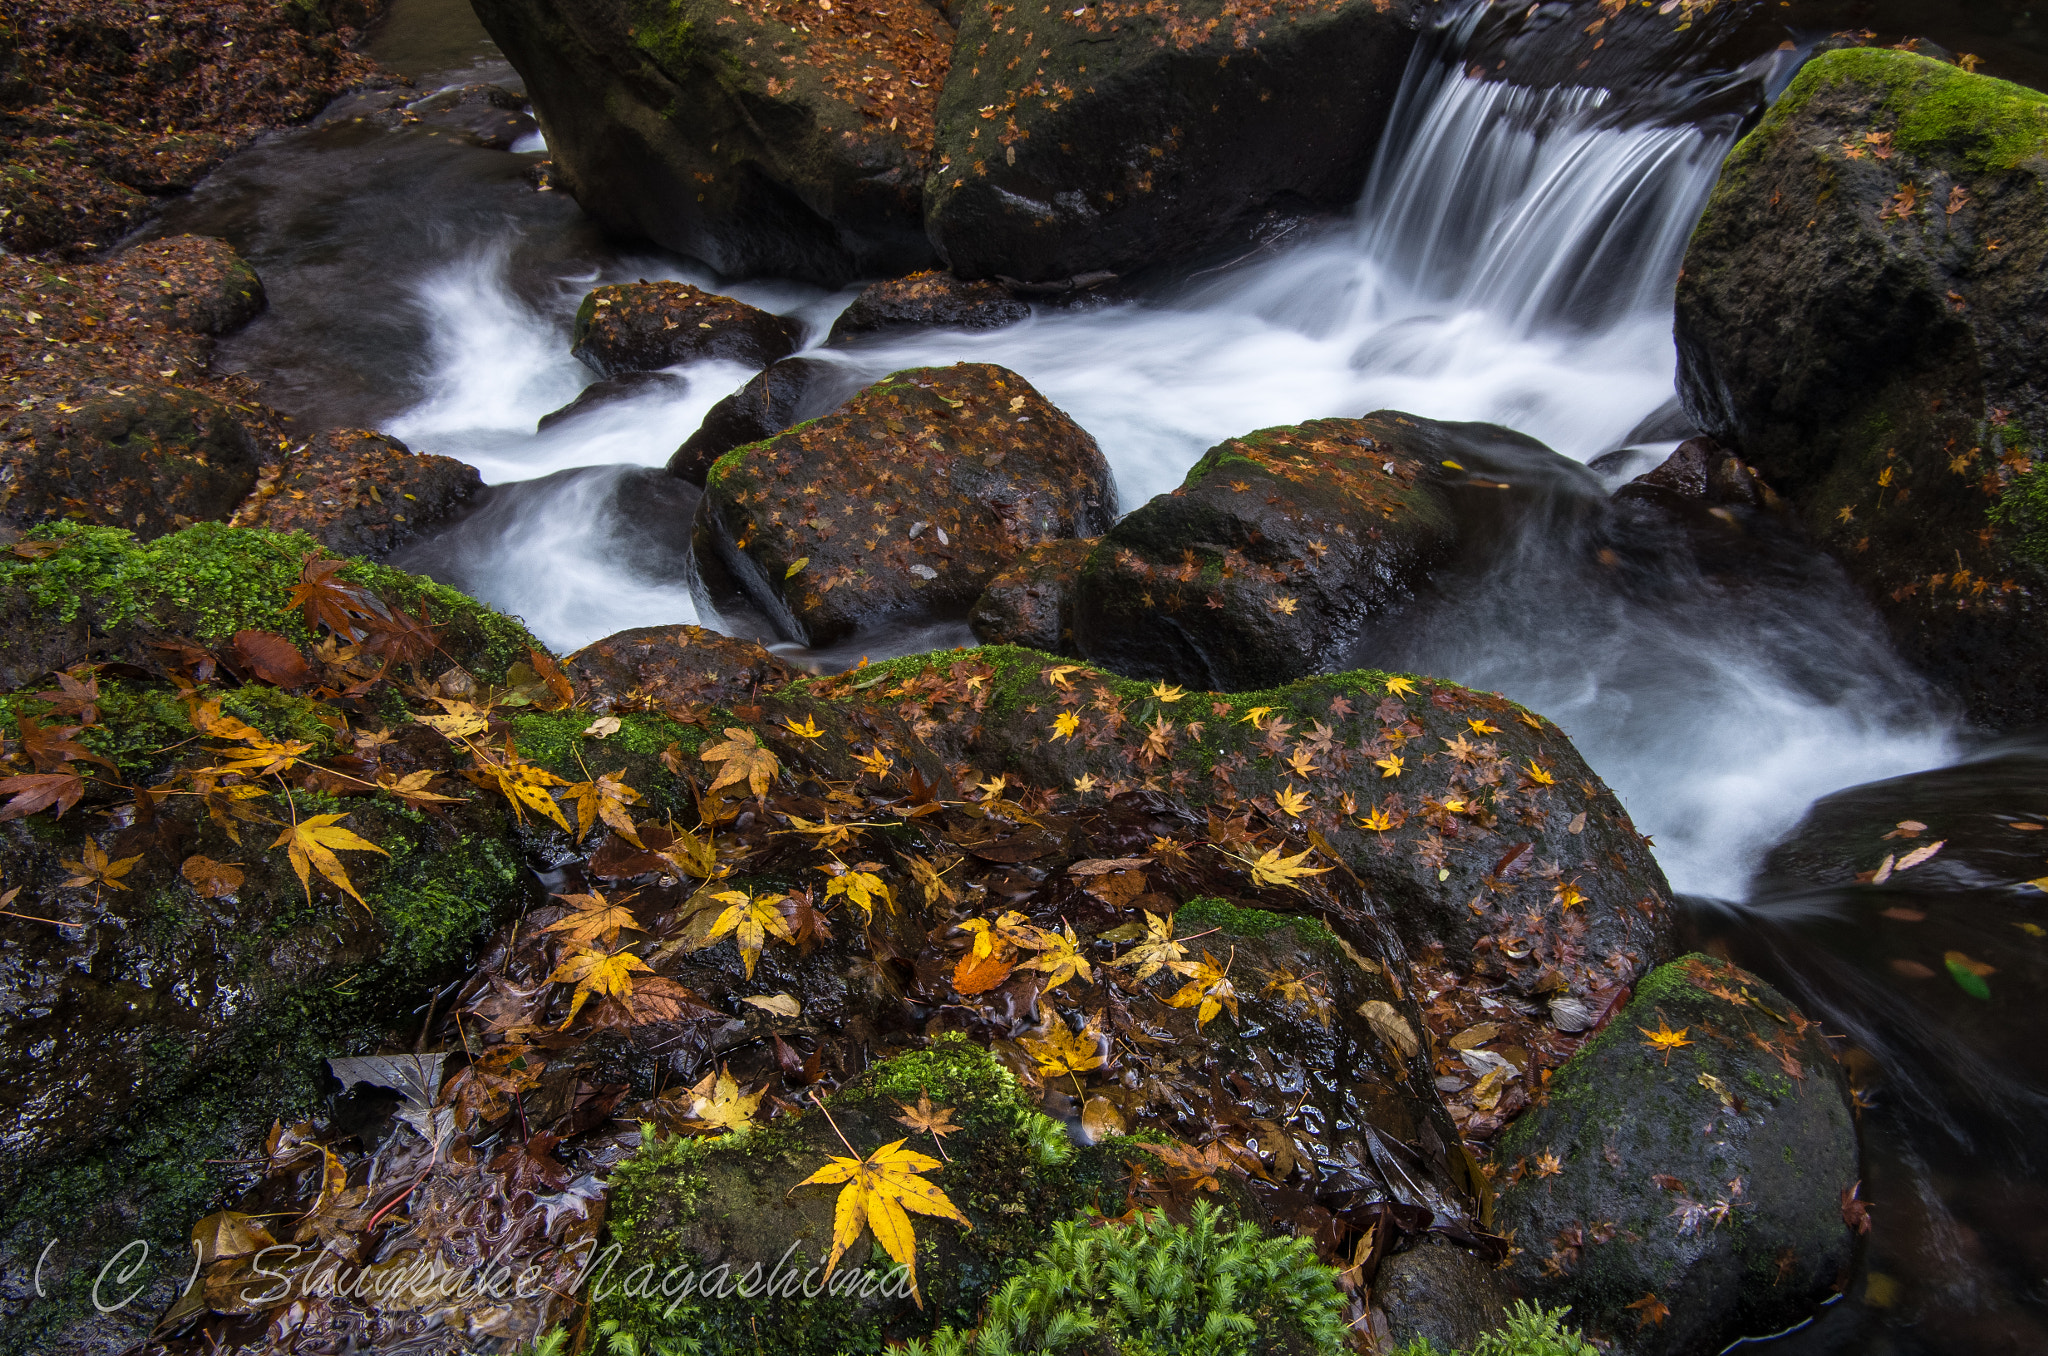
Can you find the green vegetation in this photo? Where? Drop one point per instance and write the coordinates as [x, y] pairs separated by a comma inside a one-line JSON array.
[[1935, 110], [1529, 1332], [1159, 1288]]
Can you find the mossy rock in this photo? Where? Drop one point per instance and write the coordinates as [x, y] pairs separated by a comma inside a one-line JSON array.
[[1713, 1174], [359, 493], [902, 503], [735, 1201], [1109, 137], [1861, 316], [724, 132], [688, 665], [104, 595]]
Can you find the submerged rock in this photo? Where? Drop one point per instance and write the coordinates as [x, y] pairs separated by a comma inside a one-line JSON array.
[[1110, 137], [1277, 548], [906, 500], [359, 493], [658, 666], [765, 138], [638, 327], [1861, 319], [783, 394], [1031, 603], [192, 282], [931, 300], [151, 458], [1690, 1176], [613, 390]]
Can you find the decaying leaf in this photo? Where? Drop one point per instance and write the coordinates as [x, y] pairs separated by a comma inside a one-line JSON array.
[[781, 1004], [936, 1121], [1390, 1026], [95, 870], [1274, 869], [212, 879]]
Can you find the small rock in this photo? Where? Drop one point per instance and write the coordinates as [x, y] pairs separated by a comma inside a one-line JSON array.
[[670, 665], [359, 493], [1703, 472], [638, 327], [1032, 602], [786, 393], [625, 386], [931, 300], [1440, 1292], [194, 283]]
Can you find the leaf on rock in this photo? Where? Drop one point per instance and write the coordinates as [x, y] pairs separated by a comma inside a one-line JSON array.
[[751, 919], [311, 844], [1274, 869], [606, 798], [1063, 1051], [1157, 951], [607, 974], [863, 888], [879, 1189], [744, 759], [595, 919], [35, 791], [1208, 989], [212, 879], [717, 1104], [270, 658], [1390, 1026]]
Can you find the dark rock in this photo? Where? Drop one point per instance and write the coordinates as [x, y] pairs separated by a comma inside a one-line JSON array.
[[730, 134], [1072, 141], [638, 327], [1714, 1177], [1031, 603], [782, 395], [932, 300], [1703, 472], [625, 386], [671, 665], [359, 493], [906, 500], [1845, 324], [1280, 545], [1441, 1293], [490, 115], [194, 283], [151, 458]]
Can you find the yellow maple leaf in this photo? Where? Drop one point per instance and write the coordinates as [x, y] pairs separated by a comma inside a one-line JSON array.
[[863, 888], [606, 974], [1378, 821], [458, 719], [1065, 724], [1566, 894], [527, 786], [1292, 803], [1086, 782], [1208, 989], [1167, 692], [1057, 675], [263, 756], [1273, 869], [1389, 766], [1062, 1051], [95, 870], [311, 844], [1059, 956], [594, 918], [1664, 1038], [1482, 727], [692, 856], [1302, 762], [1402, 686], [1300, 991], [879, 1189], [750, 918], [1156, 951], [1539, 776], [1282, 604], [716, 1103], [876, 764], [1254, 716], [744, 759], [809, 729], [605, 797]]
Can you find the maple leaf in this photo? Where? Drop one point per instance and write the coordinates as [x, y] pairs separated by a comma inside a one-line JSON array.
[[936, 1121], [1300, 991], [1208, 989], [1159, 949], [1059, 957], [1653, 1310], [327, 601], [1057, 674], [1400, 685], [458, 719], [1664, 1038], [412, 788], [1389, 766], [1482, 727], [607, 974], [1302, 763], [1566, 894], [1085, 783], [1548, 1164], [1282, 603], [75, 695], [879, 1189], [744, 759], [595, 918], [690, 855], [1065, 724], [1294, 804], [750, 918], [1158, 738], [212, 879], [1538, 775], [531, 1166], [95, 870], [1254, 716], [1062, 1051], [605, 797], [524, 784], [980, 973], [863, 888], [311, 843], [1167, 692], [931, 879], [808, 730], [716, 1103], [827, 833], [1274, 869], [1378, 821], [35, 791]]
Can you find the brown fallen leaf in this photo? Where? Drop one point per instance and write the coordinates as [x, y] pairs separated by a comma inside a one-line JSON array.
[[1912, 969], [270, 658], [212, 879]]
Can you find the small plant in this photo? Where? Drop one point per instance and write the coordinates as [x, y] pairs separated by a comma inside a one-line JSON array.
[[1162, 1289], [1529, 1331]]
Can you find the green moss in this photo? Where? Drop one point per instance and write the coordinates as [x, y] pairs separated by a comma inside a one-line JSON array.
[[1937, 111], [669, 38], [1209, 911], [2022, 506]]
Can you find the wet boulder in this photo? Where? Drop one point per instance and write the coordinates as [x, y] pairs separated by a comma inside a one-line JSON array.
[[905, 501], [193, 283], [639, 327], [782, 394], [359, 493], [1699, 472], [931, 300], [1031, 603], [1280, 545], [148, 457], [767, 138], [663, 666], [1690, 1177], [611, 391], [1109, 137], [1861, 318]]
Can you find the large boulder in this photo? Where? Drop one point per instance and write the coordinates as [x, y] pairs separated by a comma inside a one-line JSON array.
[[1690, 1176], [1032, 602], [1280, 545], [1862, 317], [148, 457], [191, 282], [639, 327], [765, 138], [905, 501], [659, 666], [359, 493], [1111, 136]]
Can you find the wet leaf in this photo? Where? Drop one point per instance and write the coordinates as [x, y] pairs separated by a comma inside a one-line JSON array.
[[936, 1121], [35, 791], [863, 888], [1274, 869], [781, 1004], [269, 657], [458, 719], [1294, 804], [328, 601], [95, 870], [212, 879], [595, 919], [1300, 991], [1063, 1051], [1059, 956], [1208, 989], [604, 727], [1157, 951], [604, 798], [752, 919], [1664, 1039], [716, 1103], [879, 1189], [311, 843], [1390, 1026], [1650, 1310], [744, 759], [607, 974]]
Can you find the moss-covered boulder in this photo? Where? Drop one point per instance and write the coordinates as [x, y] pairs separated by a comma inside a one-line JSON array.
[[780, 395], [149, 457], [639, 327], [1031, 603], [1279, 545], [359, 493], [1107, 137], [766, 137], [931, 300], [1861, 317], [905, 501], [194, 283], [654, 666], [1688, 1179]]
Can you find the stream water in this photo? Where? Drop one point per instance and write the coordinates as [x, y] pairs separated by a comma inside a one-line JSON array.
[[1512, 259]]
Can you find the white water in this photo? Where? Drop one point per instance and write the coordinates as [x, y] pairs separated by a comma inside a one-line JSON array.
[[1512, 260]]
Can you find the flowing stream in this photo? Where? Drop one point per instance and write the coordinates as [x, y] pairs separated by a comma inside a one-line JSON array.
[[1512, 259]]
